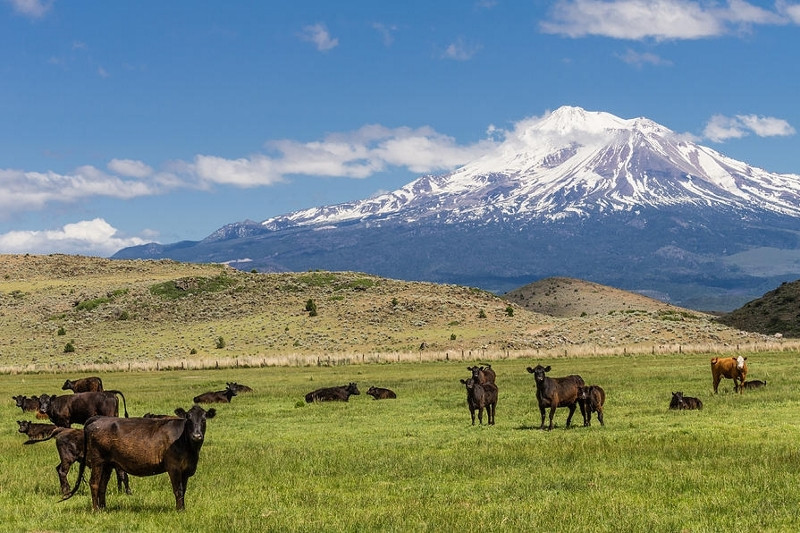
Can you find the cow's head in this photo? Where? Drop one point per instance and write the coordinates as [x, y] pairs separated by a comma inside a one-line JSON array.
[[231, 388], [539, 372], [469, 383], [740, 362], [352, 388], [195, 427], [372, 390], [24, 425], [677, 399], [19, 399], [68, 385], [583, 392], [45, 400]]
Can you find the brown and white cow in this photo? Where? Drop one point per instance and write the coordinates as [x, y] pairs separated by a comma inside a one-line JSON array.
[[734, 368], [143, 447], [90, 384], [77, 408], [555, 392]]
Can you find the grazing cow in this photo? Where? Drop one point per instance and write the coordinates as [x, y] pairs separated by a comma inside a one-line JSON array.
[[684, 402], [239, 388], [69, 444], [591, 400], [333, 394], [91, 384], [480, 396], [36, 431], [143, 447], [734, 368], [754, 384], [220, 396], [77, 408], [29, 405], [483, 374], [555, 392], [379, 393]]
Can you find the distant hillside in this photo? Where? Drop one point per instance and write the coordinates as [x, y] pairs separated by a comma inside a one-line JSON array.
[[568, 297], [61, 311], [778, 311]]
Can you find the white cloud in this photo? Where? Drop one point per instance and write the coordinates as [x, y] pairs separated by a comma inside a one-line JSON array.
[[721, 128], [638, 60], [129, 167], [31, 8], [318, 34], [88, 237], [792, 11], [460, 50], [656, 19]]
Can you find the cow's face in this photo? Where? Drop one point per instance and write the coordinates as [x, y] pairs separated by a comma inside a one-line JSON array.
[[372, 390], [583, 392], [19, 399], [68, 385], [44, 402], [539, 372], [469, 383], [196, 422], [24, 426], [677, 398], [740, 362], [352, 389]]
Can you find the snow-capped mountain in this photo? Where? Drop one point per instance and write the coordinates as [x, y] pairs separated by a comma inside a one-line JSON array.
[[575, 163], [625, 202]]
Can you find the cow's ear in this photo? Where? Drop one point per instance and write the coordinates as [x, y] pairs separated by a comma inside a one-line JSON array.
[[211, 413], [464, 381], [547, 368], [180, 412]]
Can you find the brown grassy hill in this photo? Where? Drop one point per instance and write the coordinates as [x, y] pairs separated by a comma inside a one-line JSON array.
[[777, 312], [568, 297], [163, 312]]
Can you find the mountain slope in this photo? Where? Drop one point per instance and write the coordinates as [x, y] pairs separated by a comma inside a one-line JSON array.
[[776, 312], [626, 203]]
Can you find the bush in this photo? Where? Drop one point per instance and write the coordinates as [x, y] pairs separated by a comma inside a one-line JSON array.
[[220, 343], [61, 331], [69, 347], [482, 314], [510, 311], [311, 307]]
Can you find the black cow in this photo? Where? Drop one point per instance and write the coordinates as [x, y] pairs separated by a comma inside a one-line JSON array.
[[29, 405], [90, 384], [69, 444], [684, 402], [754, 384], [480, 397], [333, 394], [483, 374], [220, 396], [77, 408], [239, 388], [555, 392], [379, 393], [143, 447], [591, 400]]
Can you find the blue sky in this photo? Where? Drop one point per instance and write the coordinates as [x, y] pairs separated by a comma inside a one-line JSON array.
[[126, 122]]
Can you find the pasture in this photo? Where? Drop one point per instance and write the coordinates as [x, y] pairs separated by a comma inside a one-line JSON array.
[[271, 462]]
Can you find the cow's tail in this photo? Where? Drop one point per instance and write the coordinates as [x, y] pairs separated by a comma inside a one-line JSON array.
[[82, 466], [124, 404], [52, 435]]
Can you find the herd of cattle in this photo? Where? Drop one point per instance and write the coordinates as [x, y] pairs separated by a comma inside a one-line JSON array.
[[158, 443]]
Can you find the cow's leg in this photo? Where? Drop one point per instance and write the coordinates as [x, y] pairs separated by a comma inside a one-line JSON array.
[[472, 415], [571, 412], [541, 410], [122, 479], [178, 488], [493, 408], [552, 414], [480, 415], [63, 470], [584, 414], [716, 382], [98, 482], [600, 416]]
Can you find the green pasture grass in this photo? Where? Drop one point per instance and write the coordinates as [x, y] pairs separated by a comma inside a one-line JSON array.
[[271, 462]]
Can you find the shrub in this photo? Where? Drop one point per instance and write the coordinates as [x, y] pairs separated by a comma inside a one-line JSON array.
[[311, 307], [509, 310], [452, 336], [220, 343], [61, 331], [482, 314], [69, 347]]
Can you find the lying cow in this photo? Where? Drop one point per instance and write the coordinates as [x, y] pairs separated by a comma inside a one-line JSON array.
[[69, 444], [239, 388], [29, 405], [333, 394], [754, 384], [143, 447], [734, 368], [684, 402], [480, 397], [77, 408], [379, 393], [221, 396], [483, 374], [591, 400], [90, 384], [555, 392]]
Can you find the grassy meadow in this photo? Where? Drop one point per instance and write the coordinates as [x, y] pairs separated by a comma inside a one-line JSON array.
[[273, 463]]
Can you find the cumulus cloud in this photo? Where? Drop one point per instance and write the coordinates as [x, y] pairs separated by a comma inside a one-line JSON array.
[[721, 128], [88, 237], [460, 50], [31, 8], [319, 36], [656, 19]]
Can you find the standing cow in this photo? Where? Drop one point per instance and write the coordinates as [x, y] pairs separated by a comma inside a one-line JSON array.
[[555, 392], [591, 400], [480, 397], [143, 447], [77, 408], [734, 368], [90, 384]]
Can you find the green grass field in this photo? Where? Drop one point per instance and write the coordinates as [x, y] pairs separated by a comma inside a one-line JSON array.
[[273, 463]]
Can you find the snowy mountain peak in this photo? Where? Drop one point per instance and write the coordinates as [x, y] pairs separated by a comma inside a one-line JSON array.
[[574, 163]]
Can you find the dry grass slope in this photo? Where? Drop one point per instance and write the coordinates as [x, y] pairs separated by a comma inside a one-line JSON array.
[[140, 314]]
